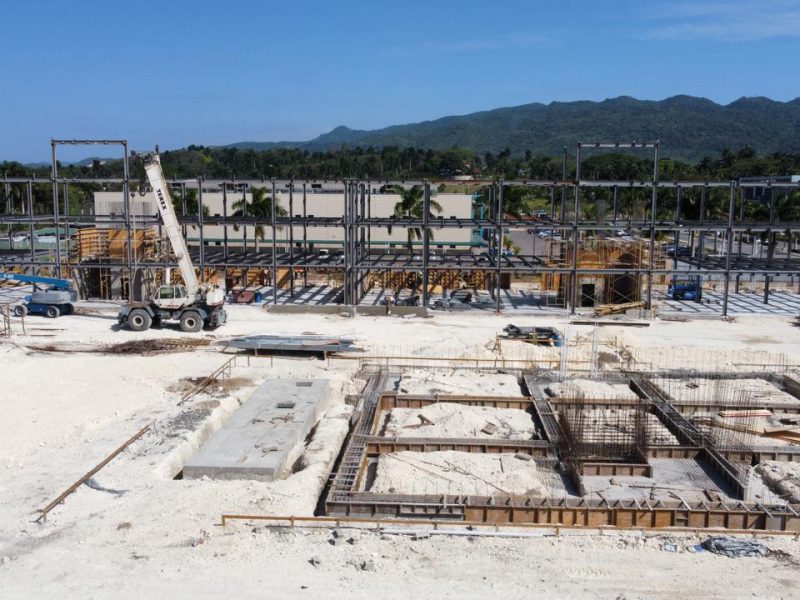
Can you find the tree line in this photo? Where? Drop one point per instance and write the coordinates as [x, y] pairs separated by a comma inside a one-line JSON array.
[[413, 163]]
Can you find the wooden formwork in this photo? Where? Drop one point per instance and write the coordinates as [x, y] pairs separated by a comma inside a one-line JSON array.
[[105, 244], [622, 514], [605, 254]]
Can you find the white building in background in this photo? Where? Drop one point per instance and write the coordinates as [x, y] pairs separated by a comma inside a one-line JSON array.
[[318, 204]]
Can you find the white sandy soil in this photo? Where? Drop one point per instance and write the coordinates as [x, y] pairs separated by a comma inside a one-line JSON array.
[[63, 413], [450, 420], [456, 473]]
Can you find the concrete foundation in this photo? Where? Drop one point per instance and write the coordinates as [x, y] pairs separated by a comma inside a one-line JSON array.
[[265, 436]]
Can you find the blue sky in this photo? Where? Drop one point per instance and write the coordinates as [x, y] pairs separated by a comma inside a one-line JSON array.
[[219, 72]]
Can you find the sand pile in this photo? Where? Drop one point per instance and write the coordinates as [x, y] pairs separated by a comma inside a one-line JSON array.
[[450, 420], [458, 382], [596, 390], [458, 473], [782, 478]]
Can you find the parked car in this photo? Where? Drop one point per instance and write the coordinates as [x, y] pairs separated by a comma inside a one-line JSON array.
[[679, 251]]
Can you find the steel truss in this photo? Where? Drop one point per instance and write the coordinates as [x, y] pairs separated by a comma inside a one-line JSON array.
[[360, 258]]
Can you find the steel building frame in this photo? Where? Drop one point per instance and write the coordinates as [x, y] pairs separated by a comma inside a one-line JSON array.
[[360, 258]]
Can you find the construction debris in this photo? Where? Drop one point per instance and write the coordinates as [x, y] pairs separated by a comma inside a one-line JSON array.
[[489, 429], [134, 347], [541, 336], [735, 548], [615, 309]]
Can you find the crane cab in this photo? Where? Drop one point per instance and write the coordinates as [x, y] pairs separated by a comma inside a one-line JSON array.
[[171, 297]]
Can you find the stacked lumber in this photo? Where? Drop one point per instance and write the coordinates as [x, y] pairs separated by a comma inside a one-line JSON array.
[[614, 309]]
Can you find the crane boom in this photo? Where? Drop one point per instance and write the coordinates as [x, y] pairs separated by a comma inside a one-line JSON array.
[[59, 284], [152, 166]]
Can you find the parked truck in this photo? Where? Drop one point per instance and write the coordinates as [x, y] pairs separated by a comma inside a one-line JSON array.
[[53, 301], [194, 305]]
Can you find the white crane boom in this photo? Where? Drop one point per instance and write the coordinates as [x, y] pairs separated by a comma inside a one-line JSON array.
[[152, 166]]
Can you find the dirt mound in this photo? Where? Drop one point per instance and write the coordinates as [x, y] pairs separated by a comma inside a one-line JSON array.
[[137, 347]]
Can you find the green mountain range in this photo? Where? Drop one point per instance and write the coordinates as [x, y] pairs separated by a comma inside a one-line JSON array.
[[689, 128]]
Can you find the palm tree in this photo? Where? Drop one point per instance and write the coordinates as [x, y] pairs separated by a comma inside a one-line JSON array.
[[259, 207], [411, 205]]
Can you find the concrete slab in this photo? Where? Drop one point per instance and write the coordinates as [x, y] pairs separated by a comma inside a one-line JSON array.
[[265, 436]]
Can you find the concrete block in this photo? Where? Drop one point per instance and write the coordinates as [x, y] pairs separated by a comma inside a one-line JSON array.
[[262, 439]]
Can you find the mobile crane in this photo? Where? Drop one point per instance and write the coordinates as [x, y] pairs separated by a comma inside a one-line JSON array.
[[193, 304], [53, 301]]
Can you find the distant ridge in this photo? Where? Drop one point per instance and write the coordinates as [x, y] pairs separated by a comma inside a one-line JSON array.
[[688, 127]]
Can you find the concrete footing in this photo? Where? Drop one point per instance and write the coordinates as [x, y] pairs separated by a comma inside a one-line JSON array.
[[265, 436]]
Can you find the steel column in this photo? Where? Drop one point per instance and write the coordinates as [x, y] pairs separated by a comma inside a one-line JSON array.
[[653, 210], [574, 275], [56, 209], [426, 249], [291, 239], [729, 250], [274, 267], [305, 237], [202, 252], [499, 248]]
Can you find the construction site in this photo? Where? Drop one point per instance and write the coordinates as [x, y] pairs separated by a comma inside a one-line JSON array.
[[205, 405], [605, 245]]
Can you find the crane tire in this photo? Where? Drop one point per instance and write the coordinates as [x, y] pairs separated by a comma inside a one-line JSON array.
[[191, 322], [139, 320]]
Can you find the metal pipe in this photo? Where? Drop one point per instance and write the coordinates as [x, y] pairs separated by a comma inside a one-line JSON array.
[[44, 511]]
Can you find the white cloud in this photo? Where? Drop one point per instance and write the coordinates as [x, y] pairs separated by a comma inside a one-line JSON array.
[[743, 20]]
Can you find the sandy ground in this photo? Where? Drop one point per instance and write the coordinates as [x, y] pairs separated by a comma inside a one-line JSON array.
[[757, 391], [456, 473], [64, 412], [450, 420], [782, 478], [456, 382], [596, 390]]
